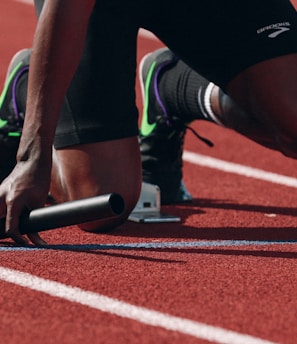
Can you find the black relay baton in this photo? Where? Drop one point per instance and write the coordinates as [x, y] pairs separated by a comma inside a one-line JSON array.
[[70, 213]]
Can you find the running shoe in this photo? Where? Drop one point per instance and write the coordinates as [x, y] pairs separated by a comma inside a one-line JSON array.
[[161, 134], [11, 116]]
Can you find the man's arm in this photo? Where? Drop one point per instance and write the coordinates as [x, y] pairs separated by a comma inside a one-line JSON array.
[[57, 48]]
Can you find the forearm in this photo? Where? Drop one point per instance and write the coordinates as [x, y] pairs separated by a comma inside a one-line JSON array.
[[57, 47]]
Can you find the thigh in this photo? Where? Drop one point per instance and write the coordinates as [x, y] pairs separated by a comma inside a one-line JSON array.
[[96, 146], [100, 102], [220, 39]]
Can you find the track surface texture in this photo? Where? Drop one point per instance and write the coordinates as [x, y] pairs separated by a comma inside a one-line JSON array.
[[226, 273]]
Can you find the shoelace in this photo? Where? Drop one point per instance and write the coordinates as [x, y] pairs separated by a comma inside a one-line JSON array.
[[178, 125], [201, 138]]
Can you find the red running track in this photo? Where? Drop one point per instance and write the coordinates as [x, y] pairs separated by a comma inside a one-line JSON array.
[[225, 274]]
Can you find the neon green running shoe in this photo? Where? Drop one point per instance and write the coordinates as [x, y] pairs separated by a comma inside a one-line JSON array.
[[11, 116], [161, 134]]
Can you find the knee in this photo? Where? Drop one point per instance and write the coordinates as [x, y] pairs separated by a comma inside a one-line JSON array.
[[96, 169]]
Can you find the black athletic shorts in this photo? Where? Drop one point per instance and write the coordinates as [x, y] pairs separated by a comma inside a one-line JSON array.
[[217, 38]]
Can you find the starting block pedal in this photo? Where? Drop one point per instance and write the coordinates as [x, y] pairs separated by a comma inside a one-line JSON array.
[[148, 207]]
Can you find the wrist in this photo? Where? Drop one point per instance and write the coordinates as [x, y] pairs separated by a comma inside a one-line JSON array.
[[35, 148]]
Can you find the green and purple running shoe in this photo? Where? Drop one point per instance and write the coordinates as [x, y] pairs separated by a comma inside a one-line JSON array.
[[11, 115], [161, 134]]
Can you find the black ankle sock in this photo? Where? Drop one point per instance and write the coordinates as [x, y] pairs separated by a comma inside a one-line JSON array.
[[186, 94], [21, 92]]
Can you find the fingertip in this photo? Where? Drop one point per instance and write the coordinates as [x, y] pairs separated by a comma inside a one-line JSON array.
[[11, 229], [19, 239], [37, 240]]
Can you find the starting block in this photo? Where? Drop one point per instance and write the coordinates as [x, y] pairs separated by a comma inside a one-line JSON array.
[[148, 207]]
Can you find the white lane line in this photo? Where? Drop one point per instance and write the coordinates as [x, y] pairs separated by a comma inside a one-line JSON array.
[[126, 310], [230, 167], [30, 2]]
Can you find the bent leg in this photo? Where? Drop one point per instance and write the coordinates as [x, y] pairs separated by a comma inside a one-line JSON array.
[[260, 103], [184, 95], [255, 64], [98, 168], [96, 147]]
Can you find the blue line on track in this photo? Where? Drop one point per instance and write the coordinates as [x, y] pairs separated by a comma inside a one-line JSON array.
[[150, 245]]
